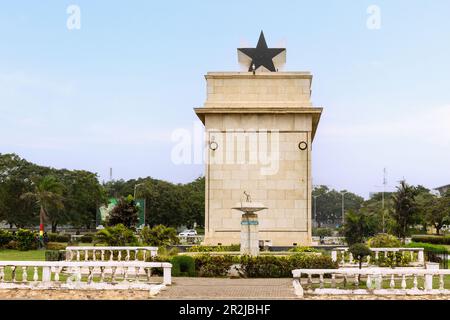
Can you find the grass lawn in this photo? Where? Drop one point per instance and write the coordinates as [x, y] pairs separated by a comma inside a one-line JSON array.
[[16, 255]]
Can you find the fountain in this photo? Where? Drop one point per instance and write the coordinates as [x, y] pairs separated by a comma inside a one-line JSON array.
[[249, 225]]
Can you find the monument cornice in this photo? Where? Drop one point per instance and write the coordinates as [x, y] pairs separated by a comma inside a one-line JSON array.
[[259, 75], [315, 112]]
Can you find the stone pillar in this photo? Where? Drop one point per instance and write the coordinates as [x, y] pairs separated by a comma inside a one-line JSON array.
[[249, 234], [429, 277]]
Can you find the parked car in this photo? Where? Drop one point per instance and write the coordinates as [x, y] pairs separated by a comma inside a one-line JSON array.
[[188, 233]]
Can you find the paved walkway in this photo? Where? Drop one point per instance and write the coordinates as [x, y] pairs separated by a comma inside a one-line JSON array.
[[214, 288], [200, 288]]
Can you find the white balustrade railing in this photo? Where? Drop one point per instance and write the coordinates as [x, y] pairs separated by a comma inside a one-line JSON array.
[[110, 253], [378, 281], [345, 258], [101, 275]]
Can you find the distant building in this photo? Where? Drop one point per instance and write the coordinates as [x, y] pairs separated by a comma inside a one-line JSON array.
[[443, 189]]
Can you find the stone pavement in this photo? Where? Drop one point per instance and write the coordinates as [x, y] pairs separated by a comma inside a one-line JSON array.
[[200, 288], [219, 289]]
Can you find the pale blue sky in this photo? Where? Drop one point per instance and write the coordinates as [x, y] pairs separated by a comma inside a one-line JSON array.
[[111, 93]]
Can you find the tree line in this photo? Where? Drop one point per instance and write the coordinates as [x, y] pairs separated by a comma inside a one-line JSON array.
[[30, 193]]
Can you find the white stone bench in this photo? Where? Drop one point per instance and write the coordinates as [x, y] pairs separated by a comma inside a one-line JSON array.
[[345, 258], [48, 274], [98, 253], [370, 281]]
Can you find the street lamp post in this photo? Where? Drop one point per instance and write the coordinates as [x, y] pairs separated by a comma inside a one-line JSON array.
[[343, 208], [315, 209]]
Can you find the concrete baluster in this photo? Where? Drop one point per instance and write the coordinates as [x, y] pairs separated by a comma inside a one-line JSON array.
[[119, 255], [321, 280], [78, 255], [86, 255], [35, 274], [415, 282], [57, 271], [46, 274], [91, 275], [379, 281], [369, 282], [127, 258], [136, 255], [111, 256], [392, 283], [2, 274], [102, 274], [24, 274], [403, 282], [441, 282], [333, 280], [13, 273], [103, 255]]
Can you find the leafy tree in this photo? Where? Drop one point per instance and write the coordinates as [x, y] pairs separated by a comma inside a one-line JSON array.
[[48, 196], [436, 210], [359, 226], [125, 212], [405, 208], [359, 252], [329, 204]]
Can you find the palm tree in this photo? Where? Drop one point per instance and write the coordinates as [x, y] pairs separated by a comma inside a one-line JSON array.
[[47, 194], [404, 208]]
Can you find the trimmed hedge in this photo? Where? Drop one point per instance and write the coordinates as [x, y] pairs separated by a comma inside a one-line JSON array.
[[431, 239], [183, 266], [55, 255], [214, 266], [55, 237], [230, 248], [55, 246], [261, 266], [427, 247], [87, 238]]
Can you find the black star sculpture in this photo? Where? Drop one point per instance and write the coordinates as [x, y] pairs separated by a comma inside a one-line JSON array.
[[261, 56]]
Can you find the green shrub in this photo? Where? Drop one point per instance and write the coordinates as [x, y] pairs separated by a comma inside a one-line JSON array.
[[359, 252], [55, 246], [54, 255], [12, 245], [5, 238], [159, 236], [431, 239], [281, 267], [265, 267], [183, 266], [26, 240], [230, 248], [384, 241], [87, 238], [117, 236], [303, 249], [214, 266], [55, 237]]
